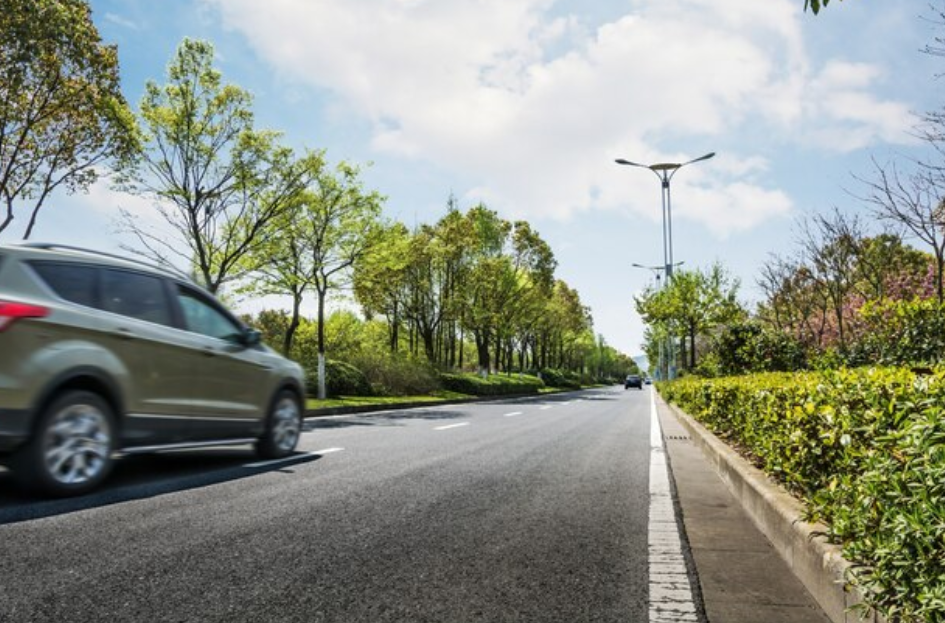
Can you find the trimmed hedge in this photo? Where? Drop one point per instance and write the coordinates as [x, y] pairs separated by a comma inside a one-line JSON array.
[[341, 379], [559, 379], [865, 449], [492, 385]]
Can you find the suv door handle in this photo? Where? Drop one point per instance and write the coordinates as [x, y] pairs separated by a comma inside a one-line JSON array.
[[124, 333]]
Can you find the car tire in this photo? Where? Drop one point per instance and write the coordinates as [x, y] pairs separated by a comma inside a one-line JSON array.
[[283, 427], [70, 452]]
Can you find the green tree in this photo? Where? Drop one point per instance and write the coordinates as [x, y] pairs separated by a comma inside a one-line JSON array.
[[379, 280], [280, 263], [215, 180], [692, 304], [62, 113], [341, 224], [508, 261]]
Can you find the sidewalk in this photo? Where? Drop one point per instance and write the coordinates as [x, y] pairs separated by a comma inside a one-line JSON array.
[[741, 577]]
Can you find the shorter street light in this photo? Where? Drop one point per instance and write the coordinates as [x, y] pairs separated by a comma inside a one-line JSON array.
[[658, 271]]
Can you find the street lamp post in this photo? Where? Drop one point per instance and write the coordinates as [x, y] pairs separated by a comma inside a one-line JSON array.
[[665, 172]]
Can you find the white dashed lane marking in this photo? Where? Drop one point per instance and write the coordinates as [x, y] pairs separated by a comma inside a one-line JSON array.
[[449, 426]]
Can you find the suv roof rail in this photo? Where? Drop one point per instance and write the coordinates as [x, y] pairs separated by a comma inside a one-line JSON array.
[[67, 247]]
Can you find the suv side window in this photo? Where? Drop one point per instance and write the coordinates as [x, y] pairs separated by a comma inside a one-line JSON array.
[[202, 316], [72, 282], [136, 295]]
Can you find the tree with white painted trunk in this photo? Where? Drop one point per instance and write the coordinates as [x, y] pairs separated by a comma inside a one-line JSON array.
[[341, 224]]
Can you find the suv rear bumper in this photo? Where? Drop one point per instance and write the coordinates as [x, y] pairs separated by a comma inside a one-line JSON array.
[[14, 428]]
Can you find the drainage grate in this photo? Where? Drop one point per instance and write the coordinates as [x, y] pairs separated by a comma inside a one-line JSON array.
[[677, 438]]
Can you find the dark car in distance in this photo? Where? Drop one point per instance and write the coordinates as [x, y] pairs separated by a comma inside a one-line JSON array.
[[633, 380]]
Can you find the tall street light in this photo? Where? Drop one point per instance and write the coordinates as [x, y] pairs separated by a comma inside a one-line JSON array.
[[665, 171]]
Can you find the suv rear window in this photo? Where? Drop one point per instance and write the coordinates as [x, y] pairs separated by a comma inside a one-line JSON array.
[[135, 295], [73, 282]]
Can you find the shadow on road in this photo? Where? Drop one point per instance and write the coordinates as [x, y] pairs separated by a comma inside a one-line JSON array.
[[386, 418], [146, 476]]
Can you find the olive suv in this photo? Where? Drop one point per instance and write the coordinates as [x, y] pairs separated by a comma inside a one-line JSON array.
[[102, 356]]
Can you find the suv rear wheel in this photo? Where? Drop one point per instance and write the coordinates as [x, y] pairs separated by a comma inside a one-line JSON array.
[[71, 450], [283, 427]]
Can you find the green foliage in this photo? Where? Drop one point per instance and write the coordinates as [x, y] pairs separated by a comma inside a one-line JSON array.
[[62, 113], [815, 5], [397, 375], [743, 347], [865, 449], [560, 379], [218, 183], [901, 333], [691, 305], [493, 385], [341, 379]]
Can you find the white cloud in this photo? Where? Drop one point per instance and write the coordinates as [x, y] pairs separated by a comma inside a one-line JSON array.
[[489, 90], [121, 21]]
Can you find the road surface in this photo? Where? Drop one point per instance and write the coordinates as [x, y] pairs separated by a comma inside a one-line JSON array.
[[514, 510]]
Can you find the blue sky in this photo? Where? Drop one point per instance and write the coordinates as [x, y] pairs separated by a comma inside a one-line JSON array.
[[525, 104]]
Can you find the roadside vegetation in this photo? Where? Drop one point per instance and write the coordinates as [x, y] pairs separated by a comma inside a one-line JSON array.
[[470, 301], [834, 382]]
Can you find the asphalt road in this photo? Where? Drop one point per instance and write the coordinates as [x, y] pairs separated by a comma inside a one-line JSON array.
[[526, 510]]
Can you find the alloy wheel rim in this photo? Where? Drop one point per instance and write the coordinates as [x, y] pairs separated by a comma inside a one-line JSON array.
[[77, 444], [286, 424]]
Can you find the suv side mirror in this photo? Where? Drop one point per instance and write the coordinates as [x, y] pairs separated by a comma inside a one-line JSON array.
[[250, 338]]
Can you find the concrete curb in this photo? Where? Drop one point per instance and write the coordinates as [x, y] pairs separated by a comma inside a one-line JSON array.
[[817, 563]]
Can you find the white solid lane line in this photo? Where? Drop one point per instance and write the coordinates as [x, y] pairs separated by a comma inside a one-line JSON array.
[[544, 408], [513, 414], [670, 591], [449, 426]]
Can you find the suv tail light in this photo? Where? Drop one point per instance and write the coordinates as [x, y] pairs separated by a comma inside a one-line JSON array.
[[10, 312]]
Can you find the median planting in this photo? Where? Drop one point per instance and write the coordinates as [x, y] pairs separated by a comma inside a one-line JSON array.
[[864, 449]]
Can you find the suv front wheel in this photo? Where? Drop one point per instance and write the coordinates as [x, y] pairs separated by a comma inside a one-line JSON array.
[[283, 427], [70, 452]]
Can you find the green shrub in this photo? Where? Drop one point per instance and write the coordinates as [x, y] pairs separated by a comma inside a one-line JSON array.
[[901, 333], [865, 449], [341, 379], [560, 379], [493, 385], [398, 376]]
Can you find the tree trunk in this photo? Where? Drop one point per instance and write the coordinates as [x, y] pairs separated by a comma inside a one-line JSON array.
[[293, 323], [394, 331], [692, 348], [482, 349], [429, 343], [322, 385]]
